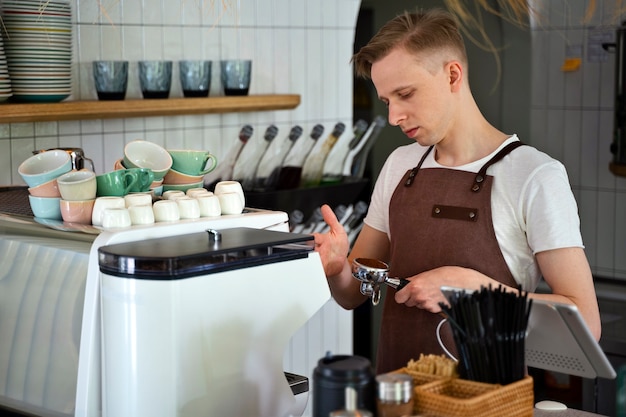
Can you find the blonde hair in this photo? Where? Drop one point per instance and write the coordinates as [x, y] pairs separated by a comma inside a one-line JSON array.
[[418, 32]]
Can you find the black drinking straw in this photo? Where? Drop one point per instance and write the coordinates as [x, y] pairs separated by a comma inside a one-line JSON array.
[[489, 329]]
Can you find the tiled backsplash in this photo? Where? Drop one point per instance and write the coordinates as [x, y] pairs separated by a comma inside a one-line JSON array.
[[572, 119], [297, 47]]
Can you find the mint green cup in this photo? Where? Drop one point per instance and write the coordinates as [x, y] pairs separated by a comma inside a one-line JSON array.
[[145, 176], [192, 162], [116, 183]]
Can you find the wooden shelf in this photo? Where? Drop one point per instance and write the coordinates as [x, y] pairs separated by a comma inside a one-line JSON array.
[[95, 109]]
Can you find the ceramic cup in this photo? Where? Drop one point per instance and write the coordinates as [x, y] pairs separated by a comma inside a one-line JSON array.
[[116, 218], [145, 177], [45, 166], [77, 211], [157, 191], [141, 214], [188, 207], [172, 194], [182, 187], [103, 203], [138, 199], [209, 205], [192, 162], [166, 211], [115, 183], [119, 164], [145, 154], [47, 189], [78, 185], [111, 79], [45, 207], [155, 78], [195, 77], [230, 203], [235, 76], [174, 177], [230, 187], [196, 192]]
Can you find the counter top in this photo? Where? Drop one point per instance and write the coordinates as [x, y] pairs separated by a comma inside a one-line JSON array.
[[564, 413]]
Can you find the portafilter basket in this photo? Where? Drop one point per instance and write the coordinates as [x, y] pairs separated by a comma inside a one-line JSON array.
[[373, 273]]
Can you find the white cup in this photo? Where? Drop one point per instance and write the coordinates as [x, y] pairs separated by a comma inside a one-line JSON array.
[[193, 192], [166, 211], [230, 203], [115, 218], [77, 185], [209, 205], [188, 207], [230, 187], [172, 194], [103, 203], [141, 214], [138, 199]]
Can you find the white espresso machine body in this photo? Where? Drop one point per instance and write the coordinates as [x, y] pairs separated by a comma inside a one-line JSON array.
[[197, 324]]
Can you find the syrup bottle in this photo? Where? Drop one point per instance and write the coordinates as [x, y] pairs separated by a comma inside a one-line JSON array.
[[245, 169], [224, 170], [314, 163], [291, 170], [266, 176], [354, 164], [333, 167]]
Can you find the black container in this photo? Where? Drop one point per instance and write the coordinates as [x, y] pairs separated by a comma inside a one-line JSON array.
[[336, 372]]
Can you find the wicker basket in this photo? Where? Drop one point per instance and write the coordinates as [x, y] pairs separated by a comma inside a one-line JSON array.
[[421, 378], [462, 398]]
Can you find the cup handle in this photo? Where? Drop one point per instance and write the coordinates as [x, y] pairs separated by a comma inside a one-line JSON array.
[[93, 168], [213, 160], [129, 185], [149, 178]]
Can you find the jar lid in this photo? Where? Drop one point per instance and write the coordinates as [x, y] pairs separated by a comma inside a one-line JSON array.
[[394, 387], [344, 367]]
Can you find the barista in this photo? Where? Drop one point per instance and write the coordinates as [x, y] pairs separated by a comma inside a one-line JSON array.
[[432, 218]]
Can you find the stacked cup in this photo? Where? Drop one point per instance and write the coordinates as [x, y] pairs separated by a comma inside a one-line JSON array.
[[78, 195], [231, 197], [41, 172], [145, 154], [188, 169]]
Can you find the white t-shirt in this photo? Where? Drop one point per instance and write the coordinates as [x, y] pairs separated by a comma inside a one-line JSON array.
[[532, 203]]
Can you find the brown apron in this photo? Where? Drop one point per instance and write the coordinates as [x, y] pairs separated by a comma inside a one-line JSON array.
[[438, 217]]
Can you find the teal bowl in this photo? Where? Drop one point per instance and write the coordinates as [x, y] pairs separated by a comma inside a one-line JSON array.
[[46, 207], [45, 166]]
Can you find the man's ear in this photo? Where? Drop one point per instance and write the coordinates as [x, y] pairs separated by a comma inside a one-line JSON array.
[[455, 74]]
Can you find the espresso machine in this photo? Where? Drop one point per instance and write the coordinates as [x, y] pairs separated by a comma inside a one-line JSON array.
[[93, 328], [196, 325]]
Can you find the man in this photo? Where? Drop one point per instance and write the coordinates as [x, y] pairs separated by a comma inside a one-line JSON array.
[[465, 206]]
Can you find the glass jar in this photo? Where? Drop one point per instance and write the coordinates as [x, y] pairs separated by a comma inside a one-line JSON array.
[[394, 395]]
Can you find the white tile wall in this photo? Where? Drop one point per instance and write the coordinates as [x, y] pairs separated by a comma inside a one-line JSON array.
[[297, 46], [572, 120]]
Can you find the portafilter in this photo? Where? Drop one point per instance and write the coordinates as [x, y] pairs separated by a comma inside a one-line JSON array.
[[373, 273]]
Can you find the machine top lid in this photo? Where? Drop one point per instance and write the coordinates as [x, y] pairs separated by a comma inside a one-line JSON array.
[[208, 252]]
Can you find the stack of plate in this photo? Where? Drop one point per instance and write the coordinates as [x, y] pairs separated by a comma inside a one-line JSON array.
[[38, 46], [5, 81]]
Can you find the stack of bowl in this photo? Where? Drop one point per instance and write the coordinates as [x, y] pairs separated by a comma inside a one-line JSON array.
[[188, 169], [38, 43], [78, 194], [5, 81], [41, 172], [145, 154]]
